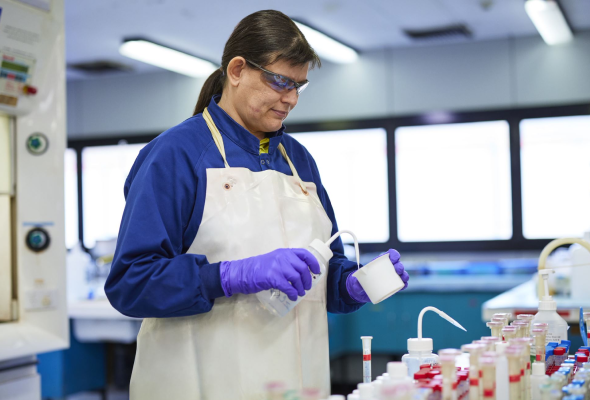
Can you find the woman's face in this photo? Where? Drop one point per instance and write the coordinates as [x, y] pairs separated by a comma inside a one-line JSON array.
[[260, 107]]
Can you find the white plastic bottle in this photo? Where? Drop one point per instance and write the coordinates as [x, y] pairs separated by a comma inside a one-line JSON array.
[[277, 302], [397, 374], [581, 270], [420, 349], [538, 377], [502, 378], [556, 326], [77, 262]]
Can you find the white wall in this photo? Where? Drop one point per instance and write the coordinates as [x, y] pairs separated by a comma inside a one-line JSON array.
[[481, 75]]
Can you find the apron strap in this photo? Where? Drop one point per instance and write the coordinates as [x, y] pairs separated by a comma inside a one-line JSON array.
[[293, 170], [219, 143], [216, 135]]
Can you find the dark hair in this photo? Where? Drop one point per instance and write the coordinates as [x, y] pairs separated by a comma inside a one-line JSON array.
[[263, 37]]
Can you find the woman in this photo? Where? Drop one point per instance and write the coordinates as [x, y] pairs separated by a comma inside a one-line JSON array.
[[219, 208]]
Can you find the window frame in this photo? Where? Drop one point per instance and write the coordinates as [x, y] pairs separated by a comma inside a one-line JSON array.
[[513, 116]]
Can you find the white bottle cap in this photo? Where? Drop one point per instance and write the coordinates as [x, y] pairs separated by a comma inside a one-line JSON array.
[[352, 396], [365, 391], [322, 249], [501, 347], [397, 369], [538, 368], [416, 344], [336, 397]]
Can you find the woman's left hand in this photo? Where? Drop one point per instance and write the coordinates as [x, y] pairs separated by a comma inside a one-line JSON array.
[[357, 292]]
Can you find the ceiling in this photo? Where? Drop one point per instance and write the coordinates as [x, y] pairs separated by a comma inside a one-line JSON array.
[[95, 29]]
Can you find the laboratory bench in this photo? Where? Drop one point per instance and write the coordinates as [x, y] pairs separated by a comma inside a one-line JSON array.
[[102, 338]]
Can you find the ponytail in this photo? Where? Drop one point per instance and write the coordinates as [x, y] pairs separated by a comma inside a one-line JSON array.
[[212, 86]]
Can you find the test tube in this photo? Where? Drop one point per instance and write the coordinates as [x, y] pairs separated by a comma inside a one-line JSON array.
[[523, 328], [449, 362], [525, 371], [539, 334], [514, 354], [496, 328], [509, 333], [487, 363], [505, 316], [475, 351], [367, 376], [491, 341]]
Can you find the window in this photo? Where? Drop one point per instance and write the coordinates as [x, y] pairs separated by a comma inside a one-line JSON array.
[[453, 182], [104, 170], [353, 168], [555, 165], [71, 197]]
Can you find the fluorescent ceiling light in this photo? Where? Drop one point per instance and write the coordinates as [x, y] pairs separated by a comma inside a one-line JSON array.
[[326, 47], [165, 57], [549, 21]]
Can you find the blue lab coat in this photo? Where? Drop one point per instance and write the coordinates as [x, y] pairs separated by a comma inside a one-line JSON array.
[[151, 274]]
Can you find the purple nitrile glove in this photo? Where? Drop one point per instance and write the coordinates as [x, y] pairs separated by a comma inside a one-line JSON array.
[[357, 292], [287, 270]]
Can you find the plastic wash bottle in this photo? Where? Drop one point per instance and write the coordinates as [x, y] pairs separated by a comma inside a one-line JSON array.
[[277, 302], [420, 349], [556, 326]]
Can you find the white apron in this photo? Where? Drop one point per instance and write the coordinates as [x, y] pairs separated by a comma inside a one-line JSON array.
[[232, 351]]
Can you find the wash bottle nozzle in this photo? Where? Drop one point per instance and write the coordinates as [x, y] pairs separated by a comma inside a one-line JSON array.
[[420, 349], [356, 243], [439, 312], [545, 274]]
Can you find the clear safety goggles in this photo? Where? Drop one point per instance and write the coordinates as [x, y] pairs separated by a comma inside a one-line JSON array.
[[279, 82]]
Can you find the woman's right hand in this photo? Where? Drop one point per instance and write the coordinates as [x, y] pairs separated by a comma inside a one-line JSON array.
[[287, 270]]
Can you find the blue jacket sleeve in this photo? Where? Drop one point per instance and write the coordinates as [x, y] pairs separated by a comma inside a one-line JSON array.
[[339, 301], [150, 275]]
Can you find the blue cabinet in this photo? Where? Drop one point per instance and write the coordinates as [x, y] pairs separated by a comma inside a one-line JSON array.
[[395, 320]]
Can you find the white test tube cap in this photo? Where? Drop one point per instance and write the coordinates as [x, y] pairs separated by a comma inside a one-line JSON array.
[[397, 370], [366, 343], [365, 391], [337, 397]]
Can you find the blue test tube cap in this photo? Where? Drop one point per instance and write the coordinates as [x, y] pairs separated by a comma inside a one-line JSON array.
[[565, 371], [548, 353], [553, 344], [578, 382]]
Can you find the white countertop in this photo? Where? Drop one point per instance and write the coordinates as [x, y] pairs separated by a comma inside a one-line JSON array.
[[523, 300]]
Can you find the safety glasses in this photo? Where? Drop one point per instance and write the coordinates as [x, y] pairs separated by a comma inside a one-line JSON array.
[[279, 82]]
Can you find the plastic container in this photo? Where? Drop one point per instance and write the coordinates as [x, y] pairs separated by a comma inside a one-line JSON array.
[[556, 326], [420, 349], [379, 279], [277, 302], [580, 271], [397, 373], [502, 376], [538, 378]]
